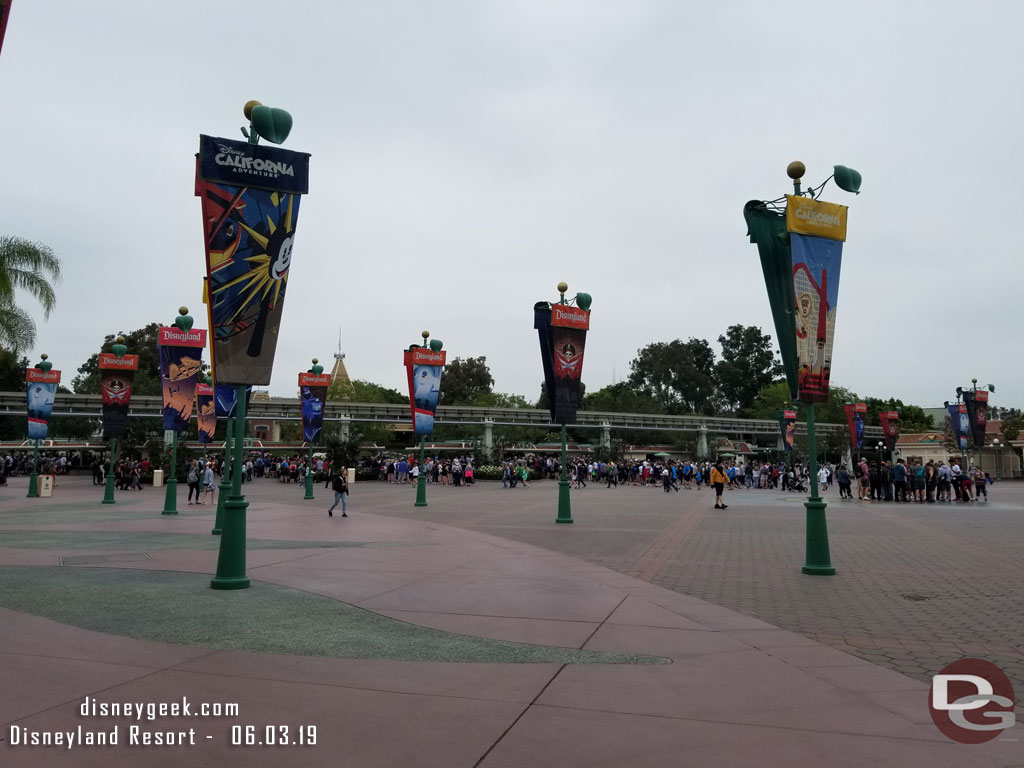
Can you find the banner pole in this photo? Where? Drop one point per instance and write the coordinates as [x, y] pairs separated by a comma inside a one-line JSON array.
[[421, 480], [33, 478], [171, 496], [819, 561], [225, 480], [108, 493], [564, 504], [309, 475], [231, 557]]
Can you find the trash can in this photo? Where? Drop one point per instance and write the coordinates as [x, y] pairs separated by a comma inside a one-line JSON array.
[[158, 478], [46, 486], [351, 475]]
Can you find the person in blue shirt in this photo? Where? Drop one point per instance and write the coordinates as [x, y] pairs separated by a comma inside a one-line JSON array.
[[899, 479]]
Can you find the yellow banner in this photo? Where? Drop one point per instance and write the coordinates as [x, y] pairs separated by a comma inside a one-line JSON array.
[[806, 216]]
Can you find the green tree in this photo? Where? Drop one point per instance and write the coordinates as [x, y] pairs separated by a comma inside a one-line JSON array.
[[141, 342], [679, 375], [30, 267], [465, 381], [1011, 425], [360, 391], [748, 364]]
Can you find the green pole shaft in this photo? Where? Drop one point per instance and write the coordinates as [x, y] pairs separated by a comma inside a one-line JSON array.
[[309, 474], [108, 494], [564, 503], [818, 559], [33, 477], [225, 480], [171, 496], [421, 481], [231, 557]]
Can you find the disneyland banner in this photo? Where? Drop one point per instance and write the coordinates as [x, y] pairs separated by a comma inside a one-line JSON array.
[[42, 387], [817, 231], [977, 414], [890, 428], [788, 424], [313, 392], [117, 374], [181, 356], [424, 367], [250, 198], [542, 324], [960, 424], [206, 412], [568, 336], [855, 423]]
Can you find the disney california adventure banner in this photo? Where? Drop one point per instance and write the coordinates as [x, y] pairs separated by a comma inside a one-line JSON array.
[[855, 423], [250, 198], [817, 231]]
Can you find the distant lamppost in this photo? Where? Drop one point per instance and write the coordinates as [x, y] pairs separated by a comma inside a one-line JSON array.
[[999, 458], [424, 365], [881, 453], [562, 329], [977, 414], [316, 370], [42, 386], [119, 350], [800, 247]]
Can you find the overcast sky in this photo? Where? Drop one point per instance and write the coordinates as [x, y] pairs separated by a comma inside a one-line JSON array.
[[467, 156]]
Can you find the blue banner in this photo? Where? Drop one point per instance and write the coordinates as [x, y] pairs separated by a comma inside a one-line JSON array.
[[959, 422], [224, 400], [816, 265], [40, 405]]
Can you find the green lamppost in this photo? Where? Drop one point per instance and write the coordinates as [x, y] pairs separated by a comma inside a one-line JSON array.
[[562, 330], [119, 350], [769, 225], [316, 370], [998, 446], [44, 366], [231, 557], [424, 365], [973, 410], [225, 479], [184, 322]]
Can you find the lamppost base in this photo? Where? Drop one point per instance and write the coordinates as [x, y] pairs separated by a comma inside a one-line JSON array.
[[171, 498], [229, 582], [818, 558], [309, 488], [421, 492], [33, 486], [564, 505], [819, 570]]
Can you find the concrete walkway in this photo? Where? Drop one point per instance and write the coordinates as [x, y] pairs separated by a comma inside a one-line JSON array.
[[738, 691]]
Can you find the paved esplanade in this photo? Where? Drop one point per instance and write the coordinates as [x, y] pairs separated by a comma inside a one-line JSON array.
[[351, 624]]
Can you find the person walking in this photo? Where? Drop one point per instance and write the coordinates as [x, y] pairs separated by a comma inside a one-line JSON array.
[[340, 485], [193, 482], [718, 483]]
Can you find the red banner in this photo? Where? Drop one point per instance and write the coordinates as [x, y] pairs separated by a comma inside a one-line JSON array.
[[891, 427], [314, 380], [570, 317], [171, 336], [855, 423], [112, 362], [37, 376]]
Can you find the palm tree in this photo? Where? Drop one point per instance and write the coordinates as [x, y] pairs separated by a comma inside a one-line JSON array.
[[30, 267]]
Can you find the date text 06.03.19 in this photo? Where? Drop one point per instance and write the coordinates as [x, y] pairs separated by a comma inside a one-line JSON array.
[[273, 736]]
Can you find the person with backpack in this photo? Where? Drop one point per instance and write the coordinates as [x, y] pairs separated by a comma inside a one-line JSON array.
[[193, 482], [339, 482]]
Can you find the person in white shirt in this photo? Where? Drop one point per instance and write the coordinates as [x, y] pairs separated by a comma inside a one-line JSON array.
[[823, 476]]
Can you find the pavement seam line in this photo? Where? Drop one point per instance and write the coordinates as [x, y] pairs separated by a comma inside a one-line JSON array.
[[518, 717]]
